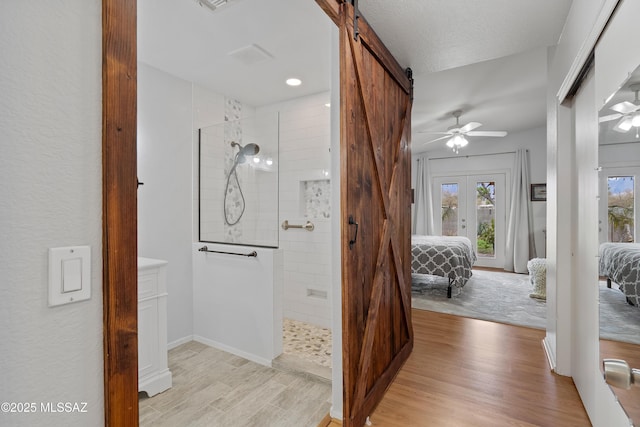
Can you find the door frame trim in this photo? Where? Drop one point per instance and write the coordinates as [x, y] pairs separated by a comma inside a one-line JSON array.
[[119, 210]]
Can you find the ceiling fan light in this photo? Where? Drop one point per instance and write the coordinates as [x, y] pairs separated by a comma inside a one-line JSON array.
[[635, 121], [457, 141]]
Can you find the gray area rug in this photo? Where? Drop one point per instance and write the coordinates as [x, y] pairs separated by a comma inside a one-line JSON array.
[[504, 297]]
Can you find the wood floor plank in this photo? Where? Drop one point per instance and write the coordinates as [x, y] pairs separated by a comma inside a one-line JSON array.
[[476, 373]]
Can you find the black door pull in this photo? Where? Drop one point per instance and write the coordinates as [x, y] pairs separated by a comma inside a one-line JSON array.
[[355, 236]]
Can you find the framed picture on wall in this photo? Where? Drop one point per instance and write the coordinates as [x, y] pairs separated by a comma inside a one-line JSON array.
[[538, 192]]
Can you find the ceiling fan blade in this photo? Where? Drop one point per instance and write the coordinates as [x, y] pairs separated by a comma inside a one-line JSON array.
[[623, 125], [434, 133], [469, 127], [609, 117], [487, 133], [625, 107], [437, 139]]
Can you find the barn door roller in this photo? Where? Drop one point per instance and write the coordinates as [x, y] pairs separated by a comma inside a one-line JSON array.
[[356, 14]]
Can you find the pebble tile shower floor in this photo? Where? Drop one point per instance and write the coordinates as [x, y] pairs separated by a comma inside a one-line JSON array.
[[307, 341]]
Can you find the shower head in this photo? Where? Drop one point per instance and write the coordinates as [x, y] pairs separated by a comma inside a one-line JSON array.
[[250, 149]]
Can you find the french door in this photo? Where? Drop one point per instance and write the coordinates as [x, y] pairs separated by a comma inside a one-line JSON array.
[[619, 204], [473, 206]]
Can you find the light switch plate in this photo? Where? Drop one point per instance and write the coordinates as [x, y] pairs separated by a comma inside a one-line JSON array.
[[69, 274]]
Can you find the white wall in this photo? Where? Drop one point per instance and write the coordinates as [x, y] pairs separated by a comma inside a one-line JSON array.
[[305, 157], [50, 196], [483, 159], [238, 304], [620, 155], [164, 201]]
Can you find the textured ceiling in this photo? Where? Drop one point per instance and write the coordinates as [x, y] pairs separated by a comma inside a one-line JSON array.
[[487, 57], [436, 35], [503, 94]]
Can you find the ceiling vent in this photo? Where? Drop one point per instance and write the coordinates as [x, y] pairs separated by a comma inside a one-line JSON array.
[[212, 4], [251, 54]]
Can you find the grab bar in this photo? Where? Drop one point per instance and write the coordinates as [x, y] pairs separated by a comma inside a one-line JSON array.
[[250, 254], [308, 226]]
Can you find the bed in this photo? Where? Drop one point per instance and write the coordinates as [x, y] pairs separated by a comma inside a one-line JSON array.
[[445, 256], [620, 263]]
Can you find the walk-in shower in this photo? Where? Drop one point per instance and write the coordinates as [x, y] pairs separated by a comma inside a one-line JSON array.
[[240, 157], [238, 182]]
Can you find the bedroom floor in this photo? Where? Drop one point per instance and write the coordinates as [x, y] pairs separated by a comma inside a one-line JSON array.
[[504, 297], [450, 385]]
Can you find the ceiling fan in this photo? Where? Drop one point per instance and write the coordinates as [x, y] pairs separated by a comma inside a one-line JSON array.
[[627, 112], [457, 134]]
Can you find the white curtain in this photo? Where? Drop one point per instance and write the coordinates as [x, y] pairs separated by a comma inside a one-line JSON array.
[[520, 246], [423, 206]]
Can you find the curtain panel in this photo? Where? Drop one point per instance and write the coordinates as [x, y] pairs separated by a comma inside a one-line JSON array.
[[520, 244], [423, 207]]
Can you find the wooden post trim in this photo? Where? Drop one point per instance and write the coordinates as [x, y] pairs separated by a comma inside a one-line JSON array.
[[119, 236]]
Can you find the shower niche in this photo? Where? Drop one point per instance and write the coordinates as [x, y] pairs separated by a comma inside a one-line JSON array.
[[238, 182], [316, 198]]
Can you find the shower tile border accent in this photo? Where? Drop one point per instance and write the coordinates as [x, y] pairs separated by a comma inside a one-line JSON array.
[[232, 132]]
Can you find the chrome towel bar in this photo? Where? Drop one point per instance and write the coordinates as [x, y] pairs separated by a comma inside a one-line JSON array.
[[308, 226], [253, 254]]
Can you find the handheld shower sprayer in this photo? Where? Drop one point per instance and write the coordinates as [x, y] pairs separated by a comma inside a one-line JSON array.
[[250, 149]]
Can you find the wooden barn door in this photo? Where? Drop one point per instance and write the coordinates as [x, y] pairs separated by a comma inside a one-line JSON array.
[[375, 102]]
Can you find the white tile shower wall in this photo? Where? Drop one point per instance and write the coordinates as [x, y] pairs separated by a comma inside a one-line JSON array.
[[208, 109], [304, 156]]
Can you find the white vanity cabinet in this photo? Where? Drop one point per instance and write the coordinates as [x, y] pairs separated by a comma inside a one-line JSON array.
[[154, 375]]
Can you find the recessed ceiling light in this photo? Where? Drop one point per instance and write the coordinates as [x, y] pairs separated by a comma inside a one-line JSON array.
[[327, 105], [294, 82]]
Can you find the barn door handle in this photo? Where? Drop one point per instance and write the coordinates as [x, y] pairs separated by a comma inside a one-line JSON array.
[[355, 235]]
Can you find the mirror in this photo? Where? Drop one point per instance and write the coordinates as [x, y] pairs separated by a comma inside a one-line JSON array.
[[619, 232]]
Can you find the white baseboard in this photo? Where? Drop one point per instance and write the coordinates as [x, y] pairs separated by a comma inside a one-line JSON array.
[[228, 349], [550, 356], [180, 341], [156, 383]]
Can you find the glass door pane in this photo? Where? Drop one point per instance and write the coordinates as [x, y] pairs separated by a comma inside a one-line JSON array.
[[486, 218], [449, 196], [620, 208]]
